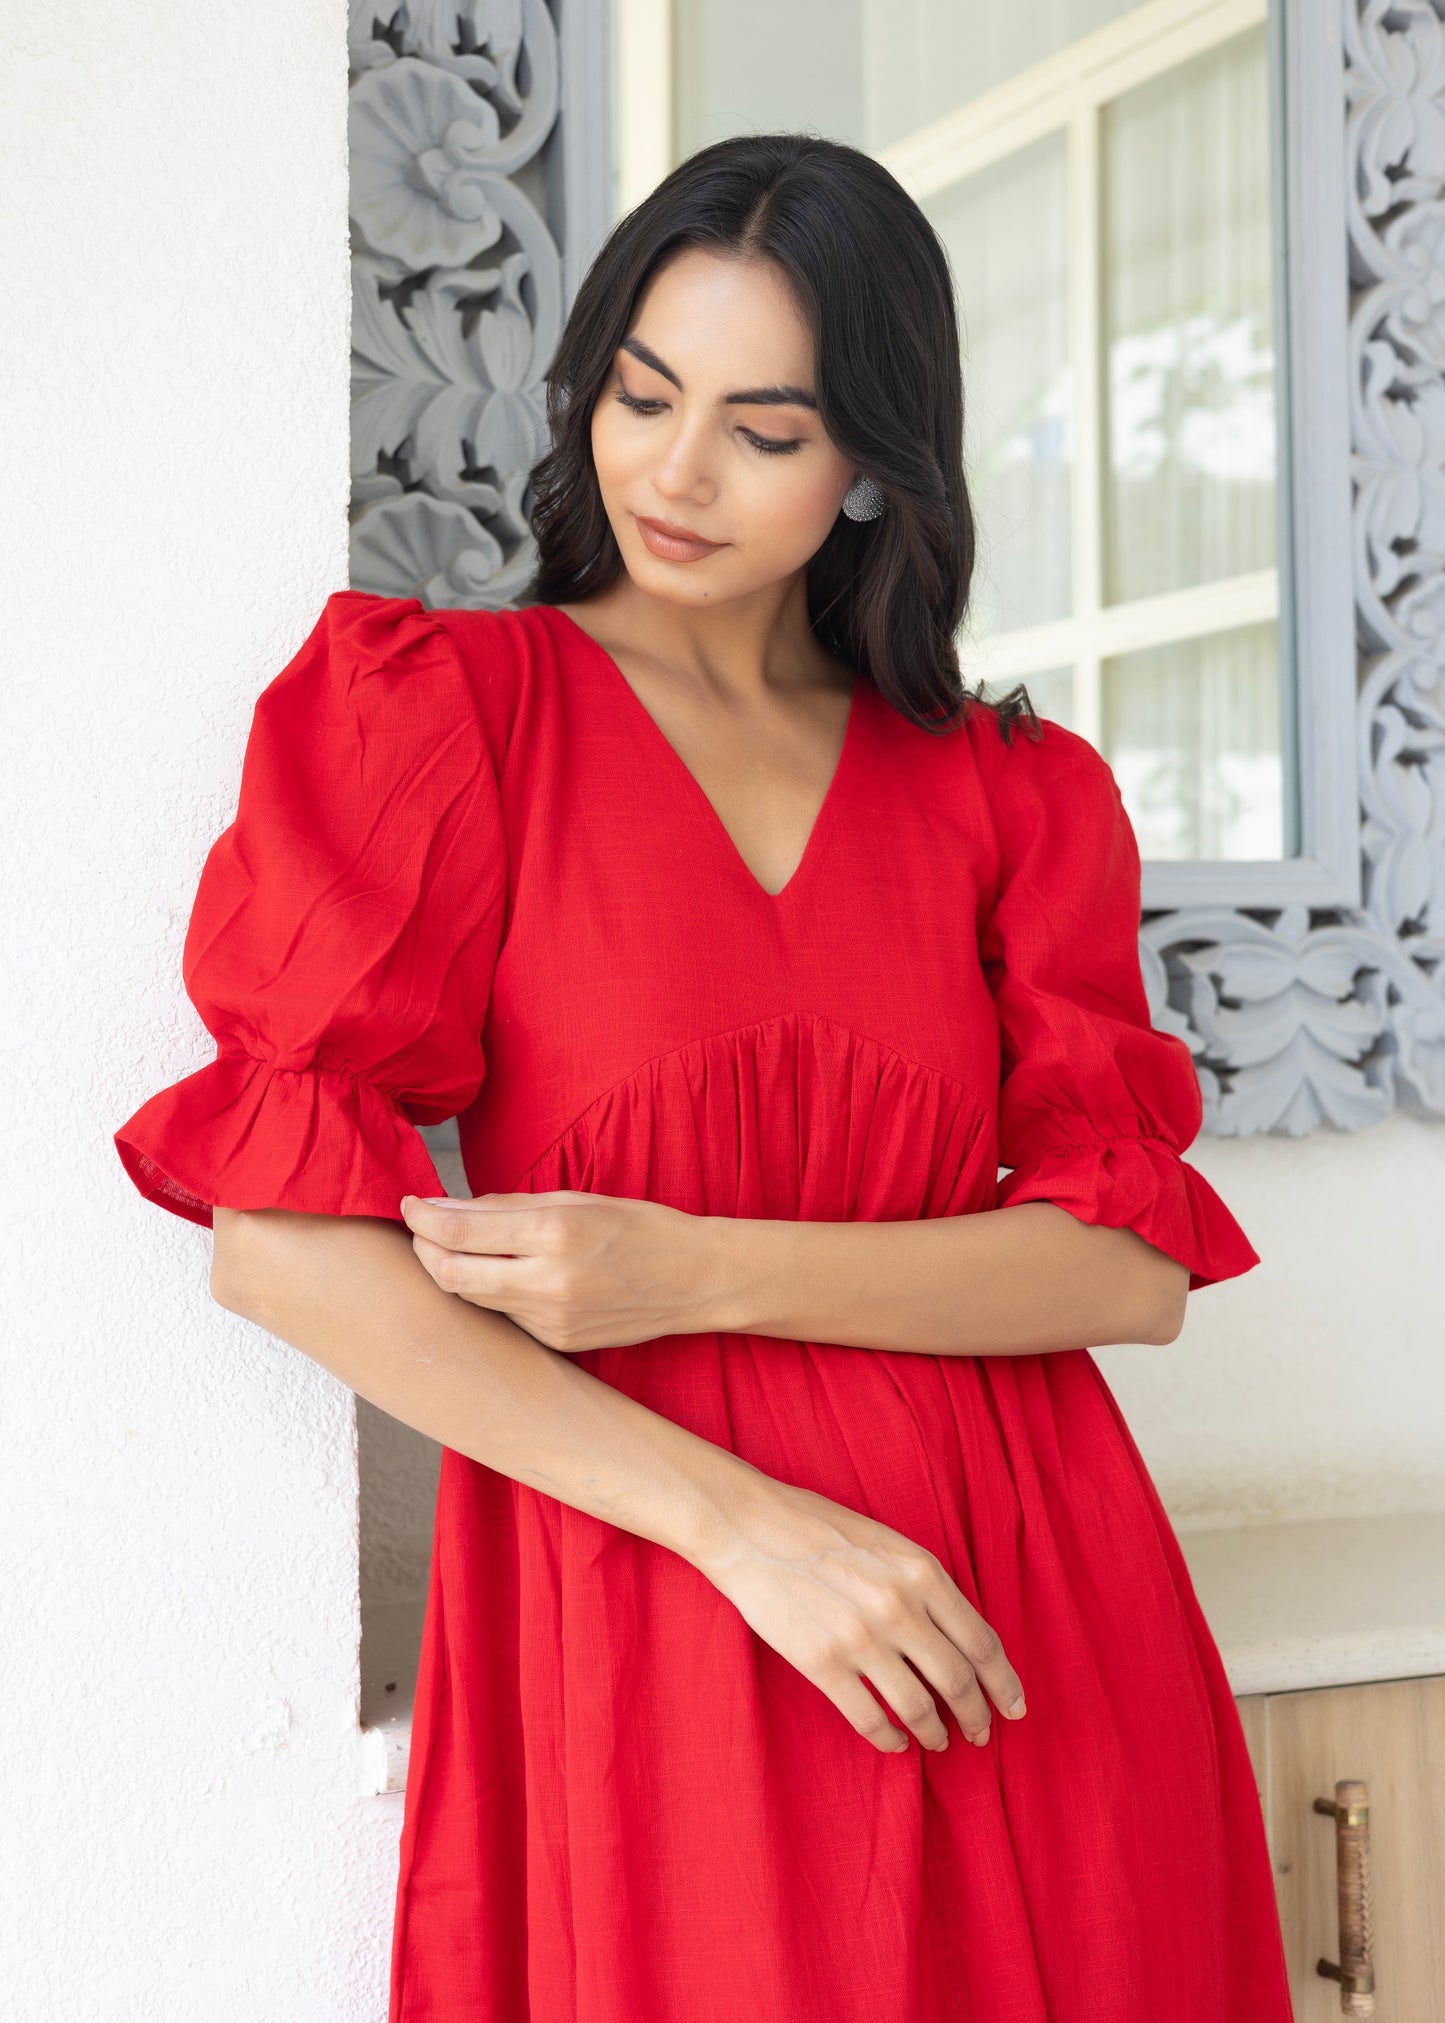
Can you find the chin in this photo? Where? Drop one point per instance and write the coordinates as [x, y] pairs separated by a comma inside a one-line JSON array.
[[686, 583]]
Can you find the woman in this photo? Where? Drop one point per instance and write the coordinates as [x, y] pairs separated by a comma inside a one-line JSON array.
[[746, 944]]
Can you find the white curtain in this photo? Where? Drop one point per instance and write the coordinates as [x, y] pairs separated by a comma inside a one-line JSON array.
[[1006, 231], [1188, 283], [1192, 730]]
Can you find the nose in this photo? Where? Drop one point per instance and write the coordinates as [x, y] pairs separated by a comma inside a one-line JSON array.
[[683, 471]]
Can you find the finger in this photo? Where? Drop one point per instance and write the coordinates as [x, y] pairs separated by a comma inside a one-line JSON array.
[[909, 1698], [458, 1224], [861, 1710], [484, 1281], [982, 1646], [946, 1669]]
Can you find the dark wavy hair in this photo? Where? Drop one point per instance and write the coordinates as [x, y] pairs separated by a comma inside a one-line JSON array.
[[872, 279]]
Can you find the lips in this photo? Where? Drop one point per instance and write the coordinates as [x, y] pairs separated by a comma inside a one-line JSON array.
[[672, 543]]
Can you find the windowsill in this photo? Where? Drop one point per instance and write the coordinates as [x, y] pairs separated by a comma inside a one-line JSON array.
[[1336, 1602]]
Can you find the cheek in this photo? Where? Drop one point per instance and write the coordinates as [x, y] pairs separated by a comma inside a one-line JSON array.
[[618, 453], [790, 510], [601, 448]]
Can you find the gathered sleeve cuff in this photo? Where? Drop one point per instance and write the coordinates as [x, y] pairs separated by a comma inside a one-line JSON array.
[[343, 937], [240, 1133], [1143, 1184], [1096, 1106]]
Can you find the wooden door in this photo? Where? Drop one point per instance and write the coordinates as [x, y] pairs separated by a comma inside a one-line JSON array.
[[1391, 1734]]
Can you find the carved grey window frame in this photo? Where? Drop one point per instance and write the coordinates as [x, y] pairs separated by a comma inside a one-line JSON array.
[[1315, 624], [1325, 1006], [481, 188], [1314, 992]]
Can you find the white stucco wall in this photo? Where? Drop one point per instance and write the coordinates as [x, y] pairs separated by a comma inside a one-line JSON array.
[[177, 1498], [1314, 1385], [178, 1532]]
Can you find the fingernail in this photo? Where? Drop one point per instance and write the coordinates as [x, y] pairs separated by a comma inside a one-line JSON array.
[[1016, 1709], [436, 1200], [982, 1737]]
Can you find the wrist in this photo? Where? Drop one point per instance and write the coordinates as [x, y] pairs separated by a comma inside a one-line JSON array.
[[743, 1263], [727, 1494]]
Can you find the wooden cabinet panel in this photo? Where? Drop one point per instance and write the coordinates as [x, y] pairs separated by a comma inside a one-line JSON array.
[[1391, 1734], [1254, 1719]]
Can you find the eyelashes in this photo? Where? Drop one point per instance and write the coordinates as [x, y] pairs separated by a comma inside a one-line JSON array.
[[767, 445]]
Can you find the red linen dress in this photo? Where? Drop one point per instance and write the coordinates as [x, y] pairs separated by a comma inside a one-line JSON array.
[[470, 876]]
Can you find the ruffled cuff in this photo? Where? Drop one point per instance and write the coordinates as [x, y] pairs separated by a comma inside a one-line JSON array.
[[1144, 1185], [242, 1134]]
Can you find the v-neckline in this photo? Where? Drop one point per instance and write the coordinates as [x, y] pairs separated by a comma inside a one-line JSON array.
[[693, 787]]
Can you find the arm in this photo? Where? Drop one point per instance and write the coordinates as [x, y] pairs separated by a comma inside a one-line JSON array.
[[1010, 1282], [348, 1292], [841, 1595], [583, 1271]]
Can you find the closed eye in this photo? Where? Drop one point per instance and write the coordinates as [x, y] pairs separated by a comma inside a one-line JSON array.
[[768, 446]]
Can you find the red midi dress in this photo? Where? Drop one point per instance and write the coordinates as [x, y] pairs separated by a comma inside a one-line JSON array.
[[470, 877]]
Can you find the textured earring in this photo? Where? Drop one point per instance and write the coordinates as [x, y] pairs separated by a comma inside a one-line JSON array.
[[863, 500]]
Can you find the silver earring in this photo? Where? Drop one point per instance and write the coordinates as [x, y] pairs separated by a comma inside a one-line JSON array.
[[863, 500]]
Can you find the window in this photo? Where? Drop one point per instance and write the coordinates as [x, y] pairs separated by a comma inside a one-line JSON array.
[[1115, 280], [1125, 193]]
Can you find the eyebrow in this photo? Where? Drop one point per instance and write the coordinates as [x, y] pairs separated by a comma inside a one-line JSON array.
[[754, 396]]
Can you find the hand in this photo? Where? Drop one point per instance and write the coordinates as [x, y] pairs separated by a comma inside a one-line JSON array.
[[844, 1598], [577, 1270]]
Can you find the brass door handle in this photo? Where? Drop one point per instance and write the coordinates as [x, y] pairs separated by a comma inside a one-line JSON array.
[[1350, 1810]]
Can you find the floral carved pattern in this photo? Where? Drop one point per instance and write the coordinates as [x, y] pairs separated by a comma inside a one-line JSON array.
[[457, 294], [1302, 1017]]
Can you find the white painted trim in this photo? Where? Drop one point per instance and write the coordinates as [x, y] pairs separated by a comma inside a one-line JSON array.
[[1109, 630], [643, 74]]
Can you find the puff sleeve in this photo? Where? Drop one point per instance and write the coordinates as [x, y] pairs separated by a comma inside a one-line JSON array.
[[344, 932], [1095, 1105]]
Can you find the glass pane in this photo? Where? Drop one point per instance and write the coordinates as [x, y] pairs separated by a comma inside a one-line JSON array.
[[863, 71], [1006, 231], [921, 58], [1192, 733], [1051, 691], [753, 66], [1188, 325]]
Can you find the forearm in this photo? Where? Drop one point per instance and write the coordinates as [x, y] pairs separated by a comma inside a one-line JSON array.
[[1012, 1281], [348, 1291]]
